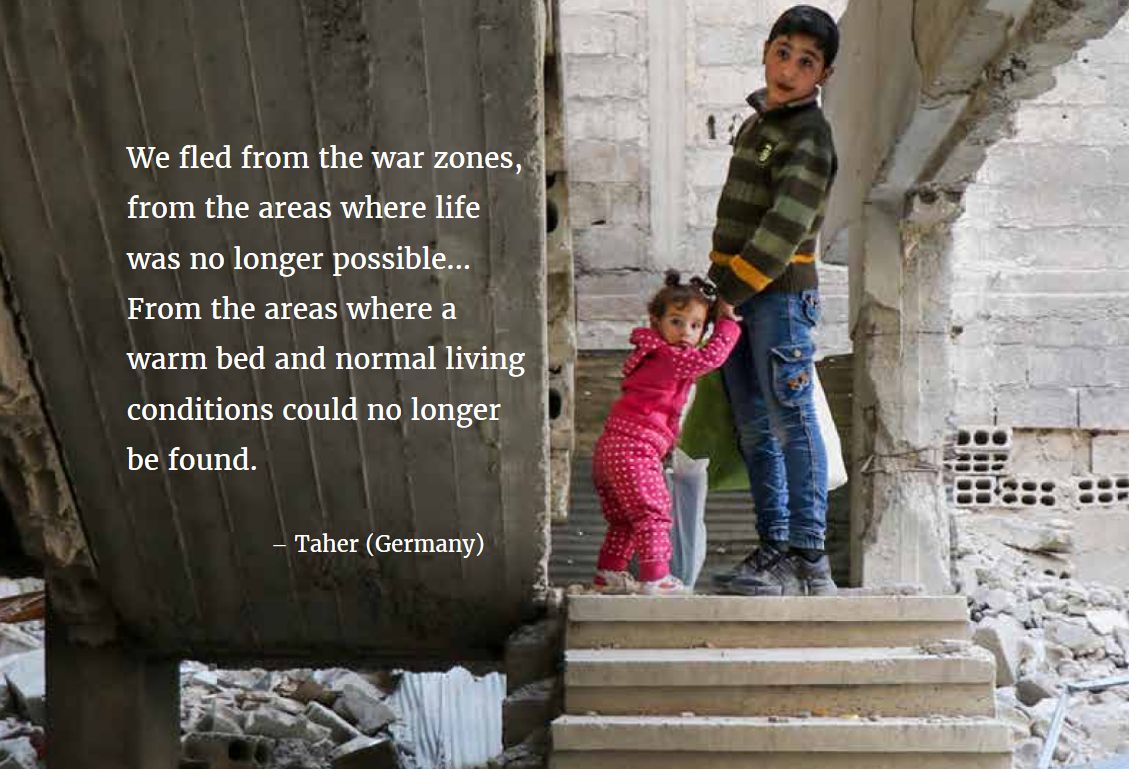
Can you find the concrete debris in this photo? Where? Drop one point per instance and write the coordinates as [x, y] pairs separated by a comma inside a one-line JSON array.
[[27, 684], [307, 718], [14, 639], [341, 729], [1045, 629], [1001, 636], [378, 754], [18, 753]]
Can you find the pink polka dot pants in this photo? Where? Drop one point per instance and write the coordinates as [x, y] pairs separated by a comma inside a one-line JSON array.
[[627, 471]]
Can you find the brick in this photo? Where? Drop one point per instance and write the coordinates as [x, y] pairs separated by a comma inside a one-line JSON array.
[[1072, 126], [726, 86], [731, 44], [596, 161], [1069, 367], [576, 7], [1037, 407], [628, 204], [973, 405], [1076, 84], [1036, 165], [1106, 408], [1110, 454], [708, 167], [594, 76], [587, 203], [617, 247], [601, 33], [605, 119]]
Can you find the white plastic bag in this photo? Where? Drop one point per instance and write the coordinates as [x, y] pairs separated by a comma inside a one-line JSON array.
[[836, 468], [688, 485]]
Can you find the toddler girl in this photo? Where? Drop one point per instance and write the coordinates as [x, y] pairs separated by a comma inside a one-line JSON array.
[[642, 428]]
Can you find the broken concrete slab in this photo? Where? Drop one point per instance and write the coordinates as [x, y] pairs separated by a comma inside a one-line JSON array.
[[1106, 621], [18, 753], [341, 730], [1002, 636], [367, 754], [27, 684]]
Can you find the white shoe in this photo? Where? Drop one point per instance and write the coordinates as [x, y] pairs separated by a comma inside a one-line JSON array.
[[668, 585], [614, 582]]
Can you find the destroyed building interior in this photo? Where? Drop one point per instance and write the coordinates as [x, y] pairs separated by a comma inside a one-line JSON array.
[[974, 348]]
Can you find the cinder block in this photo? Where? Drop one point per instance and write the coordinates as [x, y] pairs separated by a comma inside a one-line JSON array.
[[978, 463], [983, 439], [727, 85], [573, 7], [600, 33], [974, 491], [1100, 490], [227, 751], [1029, 492], [1106, 408], [729, 45], [593, 76], [1037, 407], [1109, 453], [611, 247]]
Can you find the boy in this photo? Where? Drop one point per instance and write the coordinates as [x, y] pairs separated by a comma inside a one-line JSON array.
[[763, 263]]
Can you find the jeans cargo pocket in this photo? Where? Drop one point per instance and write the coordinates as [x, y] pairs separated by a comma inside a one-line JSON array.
[[810, 307], [791, 373]]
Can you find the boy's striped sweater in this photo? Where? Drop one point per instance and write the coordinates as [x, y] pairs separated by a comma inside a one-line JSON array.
[[773, 202]]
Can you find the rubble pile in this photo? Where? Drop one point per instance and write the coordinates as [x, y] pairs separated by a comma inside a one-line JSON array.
[[1046, 629], [293, 719]]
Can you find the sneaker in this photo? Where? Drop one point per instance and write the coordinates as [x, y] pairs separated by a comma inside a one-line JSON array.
[[614, 582], [752, 563], [668, 585], [767, 572], [814, 576]]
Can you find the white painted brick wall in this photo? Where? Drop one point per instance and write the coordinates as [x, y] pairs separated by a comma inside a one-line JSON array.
[[1042, 277]]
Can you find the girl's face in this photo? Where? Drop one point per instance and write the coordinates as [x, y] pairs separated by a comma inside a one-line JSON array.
[[681, 325]]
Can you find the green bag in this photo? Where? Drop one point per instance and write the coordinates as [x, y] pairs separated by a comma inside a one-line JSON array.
[[709, 433]]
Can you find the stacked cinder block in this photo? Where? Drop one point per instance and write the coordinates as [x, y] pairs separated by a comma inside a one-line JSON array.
[[979, 469]]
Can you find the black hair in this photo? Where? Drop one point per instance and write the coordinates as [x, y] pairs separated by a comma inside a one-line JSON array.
[[680, 294], [812, 21]]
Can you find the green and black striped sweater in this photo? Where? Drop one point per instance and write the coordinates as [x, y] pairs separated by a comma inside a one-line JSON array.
[[773, 202]]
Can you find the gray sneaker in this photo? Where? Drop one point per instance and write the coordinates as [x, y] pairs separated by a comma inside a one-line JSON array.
[[751, 563], [767, 572], [814, 577]]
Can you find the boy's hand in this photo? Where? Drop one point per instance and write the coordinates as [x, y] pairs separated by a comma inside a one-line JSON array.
[[725, 310]]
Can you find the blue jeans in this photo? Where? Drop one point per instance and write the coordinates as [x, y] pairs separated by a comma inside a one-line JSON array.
[[769, 380]]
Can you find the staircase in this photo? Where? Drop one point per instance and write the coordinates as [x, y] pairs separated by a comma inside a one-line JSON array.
[[851, 682]]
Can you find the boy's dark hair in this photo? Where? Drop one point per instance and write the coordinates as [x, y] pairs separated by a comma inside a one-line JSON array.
[[809, 20], [680, 294]]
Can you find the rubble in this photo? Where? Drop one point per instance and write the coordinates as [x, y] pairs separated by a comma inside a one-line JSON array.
[[1047, 629]]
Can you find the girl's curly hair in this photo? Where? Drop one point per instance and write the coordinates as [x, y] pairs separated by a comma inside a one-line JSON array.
[[675, 292]]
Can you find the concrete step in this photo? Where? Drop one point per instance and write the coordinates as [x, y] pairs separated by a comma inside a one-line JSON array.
[[657, 742], [956, 680], [649, 622]]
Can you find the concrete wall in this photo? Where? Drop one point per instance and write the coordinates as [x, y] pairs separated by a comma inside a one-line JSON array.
[[653, 93], [1041, 279]]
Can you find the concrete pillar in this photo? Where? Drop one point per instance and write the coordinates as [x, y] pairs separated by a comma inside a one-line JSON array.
[[109, 707], [900, 306], [666, 30]]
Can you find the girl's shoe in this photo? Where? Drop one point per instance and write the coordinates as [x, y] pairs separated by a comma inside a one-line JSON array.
[[668, 585], [614, 582]]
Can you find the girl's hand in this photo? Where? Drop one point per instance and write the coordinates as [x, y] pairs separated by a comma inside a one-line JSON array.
[[725, 310]]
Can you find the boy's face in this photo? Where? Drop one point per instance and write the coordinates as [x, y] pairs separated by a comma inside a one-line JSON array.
[[682, 325], [793, 68]]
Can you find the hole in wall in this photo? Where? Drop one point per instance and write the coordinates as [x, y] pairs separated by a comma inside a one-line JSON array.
[[552, 216], [555, 403]]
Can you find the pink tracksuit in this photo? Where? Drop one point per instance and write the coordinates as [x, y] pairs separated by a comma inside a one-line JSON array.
[[640, 430]]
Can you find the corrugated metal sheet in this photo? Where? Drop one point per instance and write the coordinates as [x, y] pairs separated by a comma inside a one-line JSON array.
[[451, 720]]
